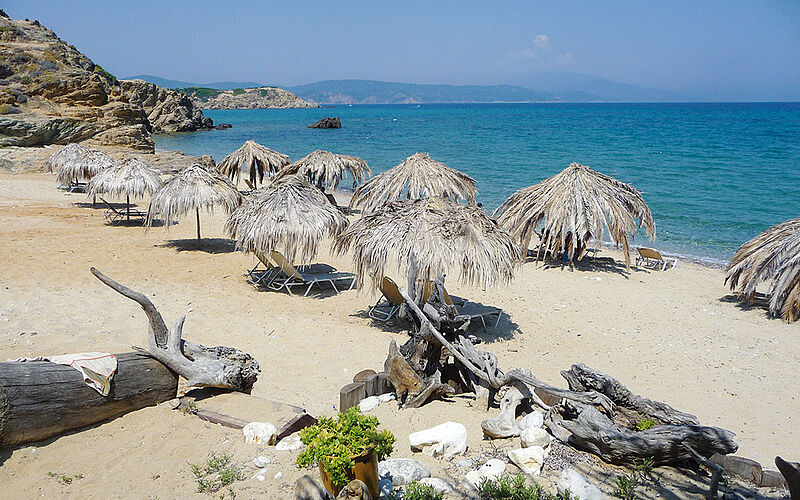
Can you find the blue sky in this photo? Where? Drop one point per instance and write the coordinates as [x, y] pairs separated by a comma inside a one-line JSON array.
[[737, 50]]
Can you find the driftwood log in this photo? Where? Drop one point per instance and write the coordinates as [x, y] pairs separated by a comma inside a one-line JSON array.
[[39, 399], [596, 414], [201, 366]]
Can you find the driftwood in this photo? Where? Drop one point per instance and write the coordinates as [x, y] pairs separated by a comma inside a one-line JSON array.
[[791, 472], [201, 366], [39, 399]]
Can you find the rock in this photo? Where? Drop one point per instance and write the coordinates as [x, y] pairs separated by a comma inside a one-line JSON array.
[[259, 433], [440, 485], [385, 488], [328, 122], [260, 476], [578, 486], [290, 443], [261, 461], [223, 126], [447, 439], [5, 71], [493, 468], [530, 460], [355, 490], [389, 396], [307, 488], [252, 98], [402, 471], [534, 436], [172, 404], [466, 463], [278, 475], [532, 420], [166, 110], [369, 403]]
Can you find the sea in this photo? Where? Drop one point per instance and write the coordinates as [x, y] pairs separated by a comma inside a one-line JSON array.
[[714, 174]]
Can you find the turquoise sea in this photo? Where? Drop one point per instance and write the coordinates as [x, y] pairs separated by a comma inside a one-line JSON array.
[[714, 175]]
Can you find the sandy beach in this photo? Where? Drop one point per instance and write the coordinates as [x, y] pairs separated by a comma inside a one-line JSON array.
[[676, 336]]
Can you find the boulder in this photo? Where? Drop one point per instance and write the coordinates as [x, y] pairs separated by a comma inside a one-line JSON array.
[[447, 439], [578, 486], [530, 460], [402, 471], [328, 122], [440, 485], [493, 468], [534, 436], [259, 433], [307, 488], [533, 419]]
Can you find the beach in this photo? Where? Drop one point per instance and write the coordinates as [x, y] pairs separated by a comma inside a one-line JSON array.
[[676, 336]]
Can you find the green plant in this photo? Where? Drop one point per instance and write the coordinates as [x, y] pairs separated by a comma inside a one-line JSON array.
[[644, 424], [516, 487], [65, 478], [216, 473], [100, 71], [334, 442], [263, 92], [625, 486], [644, 467], [238, 91], [418, 491], [190, 408]]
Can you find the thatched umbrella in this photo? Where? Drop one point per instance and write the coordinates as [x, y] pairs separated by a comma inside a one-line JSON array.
[[189, 190], [575, 206], [418, 176], [256, 158], [325, 169], [772, 255], [68, 154], [131, 178], [428, 237], [290, 215]]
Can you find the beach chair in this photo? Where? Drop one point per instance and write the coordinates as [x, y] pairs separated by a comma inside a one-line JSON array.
[[114, 216], [464, 307], [290, 277], [390, 302], [649, 257], [73, 187], [262, 277]]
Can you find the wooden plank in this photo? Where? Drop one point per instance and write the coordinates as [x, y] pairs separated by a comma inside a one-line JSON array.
[[350, 395], [39, 399]]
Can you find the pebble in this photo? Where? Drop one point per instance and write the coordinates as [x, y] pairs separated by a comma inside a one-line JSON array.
[[261, 461], [278, 475], [438, 484], [532, 420], [466, 463], [290, 443], [369, 403]]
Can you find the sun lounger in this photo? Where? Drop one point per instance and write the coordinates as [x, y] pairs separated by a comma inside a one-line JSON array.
[[73, 187], [258, 276], [114, 216], [290, 277], [463, 307], [649, 257], [390, 302]]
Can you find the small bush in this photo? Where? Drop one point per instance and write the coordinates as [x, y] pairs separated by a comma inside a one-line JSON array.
[[238, 91], [418, 491], [216, 474], [515, 487], [100, 71]]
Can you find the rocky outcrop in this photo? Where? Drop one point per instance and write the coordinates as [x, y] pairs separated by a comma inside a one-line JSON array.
[[50, 93], [255, 98], [328, 122]]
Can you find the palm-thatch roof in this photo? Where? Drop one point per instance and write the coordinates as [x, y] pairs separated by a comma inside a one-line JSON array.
[[68, 154], [83, 165], [289, 215], [193, 189], [325, 169], [132, 179], [431, 236], [417, 177], [575, 205], [259, 160], [773, 255]]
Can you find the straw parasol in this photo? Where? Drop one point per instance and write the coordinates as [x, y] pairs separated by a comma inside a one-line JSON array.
[[428, 237], [68, 154], [131, 178], [257, 158], [325, 169], [189, 190], [83, 165], [575, 206], [290, 215], [418, 176], [772, 255]]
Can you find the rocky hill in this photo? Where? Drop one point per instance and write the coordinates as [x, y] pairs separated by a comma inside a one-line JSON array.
[[253, 98], [50, 93]]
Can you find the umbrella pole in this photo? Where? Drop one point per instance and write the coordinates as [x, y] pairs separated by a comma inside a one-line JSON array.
[[128, 206], [197, 212]]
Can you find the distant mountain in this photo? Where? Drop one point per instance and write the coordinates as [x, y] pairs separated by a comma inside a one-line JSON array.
[[376, 92], [178, 84], [606, 90]]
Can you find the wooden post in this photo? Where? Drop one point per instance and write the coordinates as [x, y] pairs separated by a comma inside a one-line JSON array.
[[128, 206], [350, 395], [197, 212]]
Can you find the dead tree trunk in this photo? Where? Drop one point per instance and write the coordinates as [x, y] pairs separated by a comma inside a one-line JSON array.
[[39, 399]]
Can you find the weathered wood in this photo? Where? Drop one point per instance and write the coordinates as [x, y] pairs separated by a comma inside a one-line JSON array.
[[406, 382], [586, 428], [39, 399], [201, 366], [350, 395], [504, 425], [377, 384], [791, 472]]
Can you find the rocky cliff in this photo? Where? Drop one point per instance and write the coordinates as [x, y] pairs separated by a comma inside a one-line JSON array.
[[255, 98], [50, 93]]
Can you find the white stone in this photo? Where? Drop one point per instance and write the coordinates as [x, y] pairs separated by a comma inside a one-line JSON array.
[[278, 475], [290, 443], [466, 463], [530, 460], [473, 480], [534, 436], [259, 433], [389, 396], [369, 403], [260, 477], [493, 468], [402, 470], [440, 485], [261, 461], [533, 419], [579, 486], [447, 439]]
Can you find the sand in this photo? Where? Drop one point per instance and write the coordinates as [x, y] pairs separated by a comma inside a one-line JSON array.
[[674, 336]]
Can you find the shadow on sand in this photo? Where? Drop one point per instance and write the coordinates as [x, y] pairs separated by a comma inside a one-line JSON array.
[[207, 245], [591, 264], [761, 301]]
